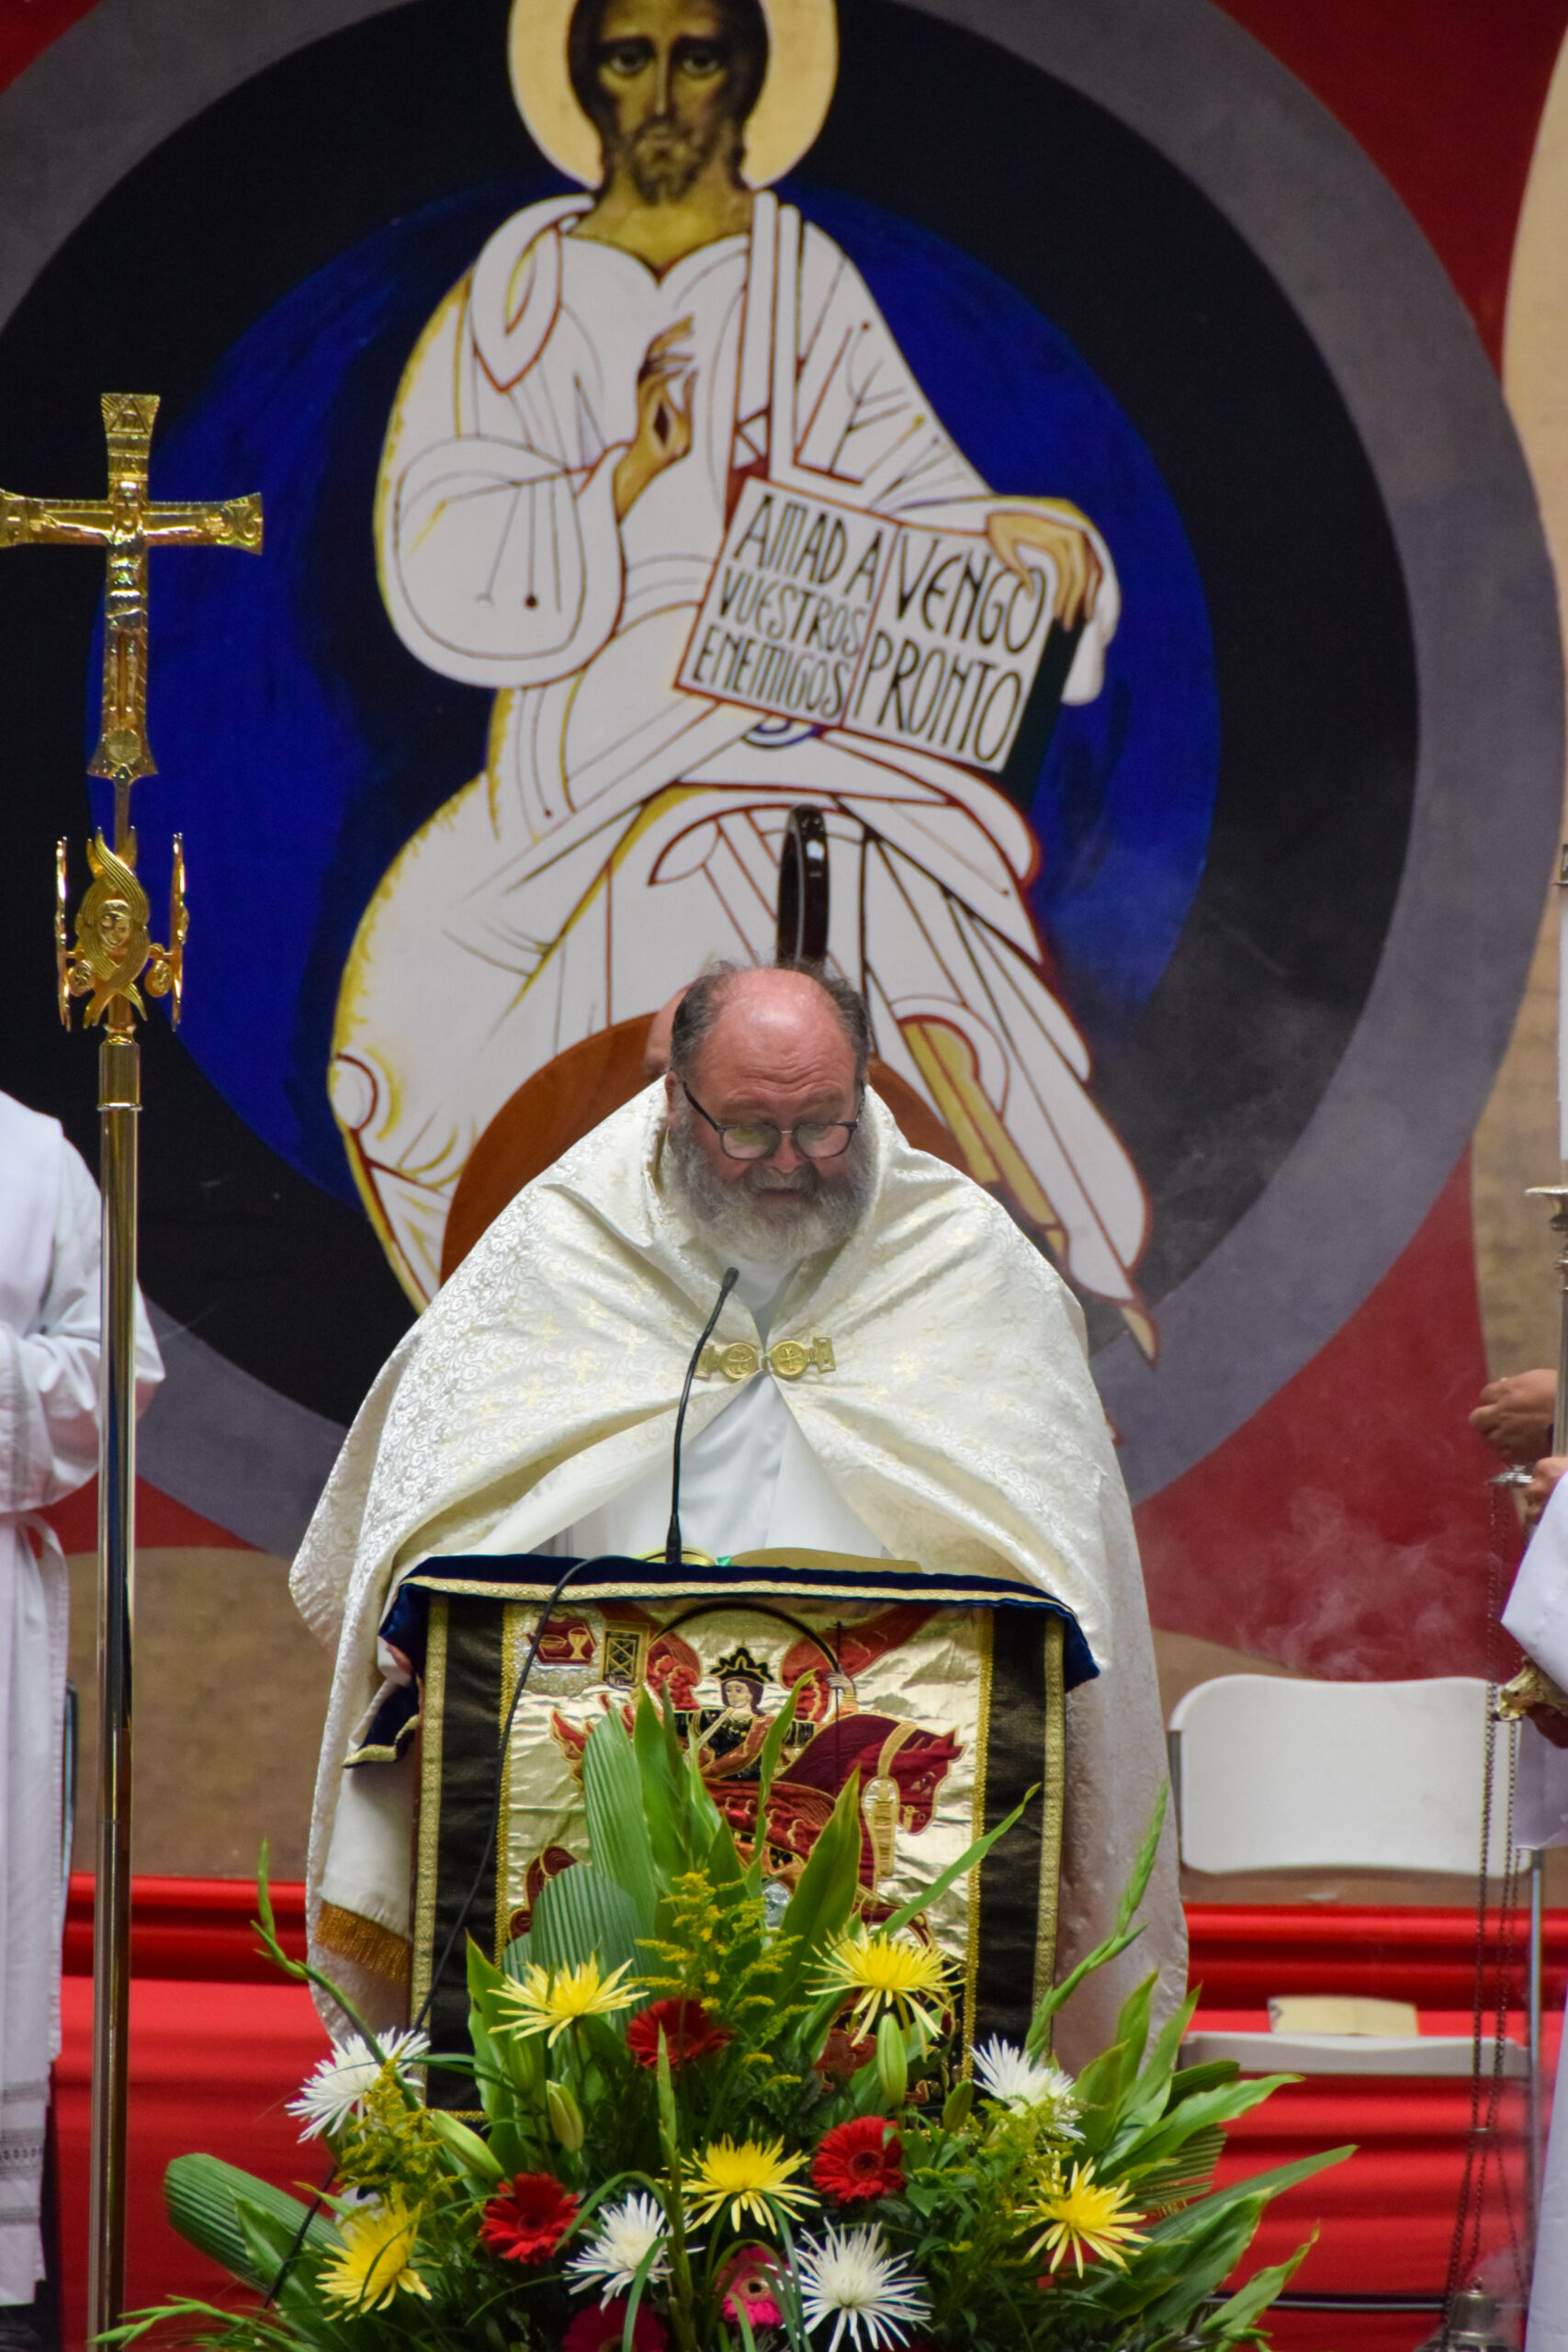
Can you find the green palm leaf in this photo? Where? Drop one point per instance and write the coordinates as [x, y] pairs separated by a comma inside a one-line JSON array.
[[580, 1915], [623, 1808], [1162, 2188], [201, 2198]]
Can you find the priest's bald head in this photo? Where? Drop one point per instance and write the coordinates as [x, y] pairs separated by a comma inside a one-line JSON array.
[[767, 1071]]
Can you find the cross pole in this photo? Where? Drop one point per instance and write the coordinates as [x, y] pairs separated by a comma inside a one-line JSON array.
[[114, 951]]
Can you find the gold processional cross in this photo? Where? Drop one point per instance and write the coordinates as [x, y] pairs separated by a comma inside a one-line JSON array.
[[114, 946], [113, 950]]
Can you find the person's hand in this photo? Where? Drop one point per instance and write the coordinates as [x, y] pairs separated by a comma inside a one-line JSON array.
[[1515, 1414], [663, 424], [1069, 547], [1543, 1478]]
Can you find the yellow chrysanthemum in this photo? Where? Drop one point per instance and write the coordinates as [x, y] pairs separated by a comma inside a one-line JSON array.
[[748, 2177], [549, 2004], [377, 2260], [888, 1972], [1083, 2214]]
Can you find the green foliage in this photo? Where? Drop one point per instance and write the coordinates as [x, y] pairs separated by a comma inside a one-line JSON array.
[[718, 1949], [1123, 1934], [632, 1818], [201, 2197], [583, 1912], [727, 2040]]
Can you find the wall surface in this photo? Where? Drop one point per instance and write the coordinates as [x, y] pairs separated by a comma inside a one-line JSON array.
[[1236, 968]]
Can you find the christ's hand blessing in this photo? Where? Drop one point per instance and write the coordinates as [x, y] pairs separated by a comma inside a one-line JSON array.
[[663, 418]]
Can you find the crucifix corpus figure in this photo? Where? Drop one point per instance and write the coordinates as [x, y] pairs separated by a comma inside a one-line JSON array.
[[127, 524]]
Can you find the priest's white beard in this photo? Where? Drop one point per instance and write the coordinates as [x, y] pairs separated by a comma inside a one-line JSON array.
[[769, 1218]]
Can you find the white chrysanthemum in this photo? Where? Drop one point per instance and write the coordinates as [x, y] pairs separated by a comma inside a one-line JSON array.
[[341, 2084], [1005, 2073], [616, 2251], [850, 2277]]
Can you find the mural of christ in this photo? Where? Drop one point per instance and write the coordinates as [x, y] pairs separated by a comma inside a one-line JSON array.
[[569, 441]]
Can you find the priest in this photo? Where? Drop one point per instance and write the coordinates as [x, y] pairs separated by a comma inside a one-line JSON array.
[[49, 1446], [956, 1426]]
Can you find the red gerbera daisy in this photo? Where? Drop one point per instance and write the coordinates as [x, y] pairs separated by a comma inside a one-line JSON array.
[[689, 2033], [526, 2221], [859, 2160], [601, 2331]]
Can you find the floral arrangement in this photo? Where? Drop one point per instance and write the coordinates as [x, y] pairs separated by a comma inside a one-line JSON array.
[[700, 2124]]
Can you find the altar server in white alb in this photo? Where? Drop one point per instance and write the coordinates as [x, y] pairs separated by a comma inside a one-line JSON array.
[[1536, 1616], [49, 1447], [568, 443], [532, 1409]]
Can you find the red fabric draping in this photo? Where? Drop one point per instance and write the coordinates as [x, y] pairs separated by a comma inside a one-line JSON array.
[[211, 2066], [199, 1929], [1241, 1953]]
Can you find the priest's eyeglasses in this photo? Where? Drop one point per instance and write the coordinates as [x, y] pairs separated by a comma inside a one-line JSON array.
[[758, 1138]]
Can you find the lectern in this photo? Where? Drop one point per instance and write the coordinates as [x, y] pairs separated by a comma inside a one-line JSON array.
[[943, 1693]]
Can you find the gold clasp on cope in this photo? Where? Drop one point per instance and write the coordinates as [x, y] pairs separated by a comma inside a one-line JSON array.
[[740, 1360]]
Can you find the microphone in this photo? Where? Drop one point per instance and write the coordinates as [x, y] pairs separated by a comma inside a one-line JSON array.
[[672, 1545]]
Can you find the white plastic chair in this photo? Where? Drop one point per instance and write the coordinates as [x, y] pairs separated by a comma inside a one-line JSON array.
[[1273, 1774]]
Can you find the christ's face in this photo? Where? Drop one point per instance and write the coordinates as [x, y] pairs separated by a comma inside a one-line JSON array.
[[665, 70]]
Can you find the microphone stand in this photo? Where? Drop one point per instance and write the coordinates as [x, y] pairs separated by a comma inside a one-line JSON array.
[[672, 1544]]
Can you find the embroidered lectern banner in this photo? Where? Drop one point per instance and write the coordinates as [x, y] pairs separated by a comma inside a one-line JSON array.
[[944, 1694]]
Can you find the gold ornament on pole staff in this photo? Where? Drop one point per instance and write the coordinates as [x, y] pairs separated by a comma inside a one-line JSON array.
[[113, 958]]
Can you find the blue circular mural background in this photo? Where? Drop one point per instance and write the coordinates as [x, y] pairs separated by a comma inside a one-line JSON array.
[[300, 745]]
